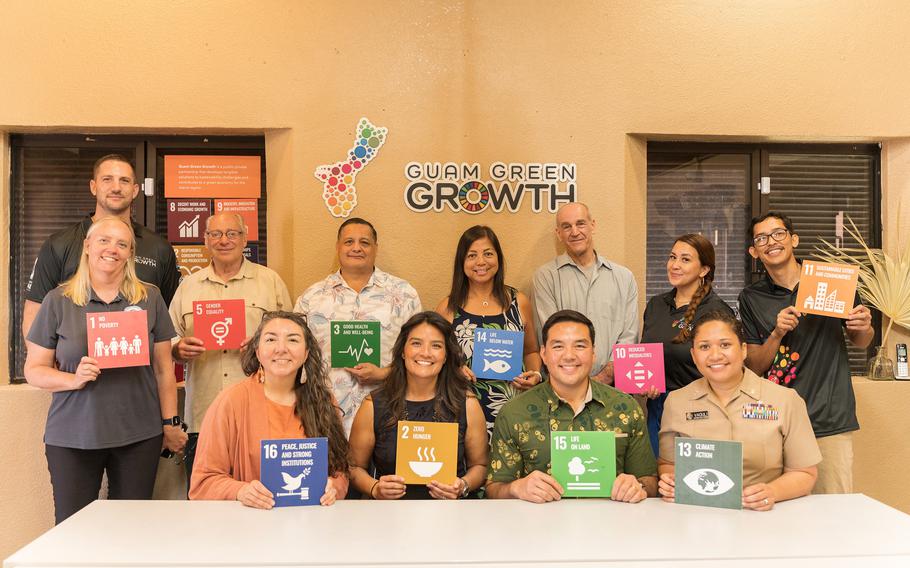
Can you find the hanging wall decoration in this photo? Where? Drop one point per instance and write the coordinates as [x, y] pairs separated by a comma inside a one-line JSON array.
[[337, 179]]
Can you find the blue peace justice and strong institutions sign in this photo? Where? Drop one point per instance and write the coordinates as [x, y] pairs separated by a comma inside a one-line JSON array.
[[295, 470], [498, 354]]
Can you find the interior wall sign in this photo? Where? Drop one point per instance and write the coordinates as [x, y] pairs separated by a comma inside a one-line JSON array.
[[337, 179], [462, 187]]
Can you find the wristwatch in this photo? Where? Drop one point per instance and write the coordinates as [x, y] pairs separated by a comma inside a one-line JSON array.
[[466, 490], [173, 421]]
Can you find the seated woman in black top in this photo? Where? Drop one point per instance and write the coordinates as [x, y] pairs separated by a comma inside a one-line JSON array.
[[425, 385]]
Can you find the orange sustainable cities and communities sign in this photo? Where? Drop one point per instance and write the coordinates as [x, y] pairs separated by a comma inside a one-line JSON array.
[[826, 289], [212, 176]]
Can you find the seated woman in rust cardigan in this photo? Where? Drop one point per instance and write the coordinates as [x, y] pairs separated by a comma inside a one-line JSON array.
[[285, 396]]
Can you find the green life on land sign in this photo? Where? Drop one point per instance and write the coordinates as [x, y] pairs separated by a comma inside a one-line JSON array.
[[709, 473], [584, 463], [354, 342]]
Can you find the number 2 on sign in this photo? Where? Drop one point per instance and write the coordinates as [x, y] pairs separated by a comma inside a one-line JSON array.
[[685, 449], [404, 432]]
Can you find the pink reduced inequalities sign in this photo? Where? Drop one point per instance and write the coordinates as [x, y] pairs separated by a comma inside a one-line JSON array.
[[639, 366]]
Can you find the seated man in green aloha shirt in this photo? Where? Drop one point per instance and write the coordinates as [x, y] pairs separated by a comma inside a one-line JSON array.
[[570, 400]]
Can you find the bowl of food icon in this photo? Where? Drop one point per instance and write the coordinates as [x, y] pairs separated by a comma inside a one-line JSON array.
[[425, 468]]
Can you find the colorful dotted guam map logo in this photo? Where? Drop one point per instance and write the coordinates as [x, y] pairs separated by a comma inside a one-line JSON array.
[[783, 369], [338, 179]]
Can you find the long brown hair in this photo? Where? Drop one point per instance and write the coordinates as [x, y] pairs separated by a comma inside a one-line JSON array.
[[451, 385], [315, 405], [458, 295], [705, 251]]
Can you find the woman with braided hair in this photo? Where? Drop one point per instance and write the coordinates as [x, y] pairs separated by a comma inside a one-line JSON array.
[[669, 316]]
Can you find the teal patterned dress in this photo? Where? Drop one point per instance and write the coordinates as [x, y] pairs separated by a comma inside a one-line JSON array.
[[492, 394]]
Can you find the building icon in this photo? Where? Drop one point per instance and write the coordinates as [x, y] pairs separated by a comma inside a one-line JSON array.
[[824, 303], [190, 229]]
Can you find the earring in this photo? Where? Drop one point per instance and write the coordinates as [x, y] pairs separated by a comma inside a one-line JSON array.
[[303, 376], [260, 375]]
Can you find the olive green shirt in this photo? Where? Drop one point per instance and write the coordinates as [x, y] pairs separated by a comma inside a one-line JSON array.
[[521, 441]]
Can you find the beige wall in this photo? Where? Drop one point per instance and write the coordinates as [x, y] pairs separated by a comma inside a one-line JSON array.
[[588, 83]]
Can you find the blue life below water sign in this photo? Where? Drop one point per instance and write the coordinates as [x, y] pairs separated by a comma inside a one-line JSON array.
[[295, 470], [498, 354]]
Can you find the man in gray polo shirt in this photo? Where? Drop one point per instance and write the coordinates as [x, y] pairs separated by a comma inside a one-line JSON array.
[[586, 282]]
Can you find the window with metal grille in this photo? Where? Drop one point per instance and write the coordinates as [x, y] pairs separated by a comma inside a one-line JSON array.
[[714, 189], [50, 177]]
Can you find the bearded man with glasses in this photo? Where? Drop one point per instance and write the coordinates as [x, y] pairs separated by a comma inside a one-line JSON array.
[[804, 351], [229, 276]]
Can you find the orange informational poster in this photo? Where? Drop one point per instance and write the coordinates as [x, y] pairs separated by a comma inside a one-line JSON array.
[[246, 208], [191, 258], [212, 176], [118, 339], [427, 451], [827, 289]]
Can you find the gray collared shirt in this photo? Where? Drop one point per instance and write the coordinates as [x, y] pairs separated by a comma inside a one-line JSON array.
[[610, 300]]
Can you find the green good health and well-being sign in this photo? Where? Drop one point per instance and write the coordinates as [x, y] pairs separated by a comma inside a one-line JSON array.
[[584, 463], [709, 473], [354, 342]]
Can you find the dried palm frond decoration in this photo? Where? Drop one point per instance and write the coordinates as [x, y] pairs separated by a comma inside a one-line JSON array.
[[884, 282]]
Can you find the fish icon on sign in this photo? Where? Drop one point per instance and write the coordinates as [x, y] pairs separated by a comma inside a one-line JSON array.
[[639, 375], [497, 366]]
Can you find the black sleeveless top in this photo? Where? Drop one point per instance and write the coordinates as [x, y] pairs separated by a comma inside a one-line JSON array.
[[387, 438]]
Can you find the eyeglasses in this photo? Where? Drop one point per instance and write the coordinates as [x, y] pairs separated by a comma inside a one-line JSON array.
[[777, 234], [216, 235]]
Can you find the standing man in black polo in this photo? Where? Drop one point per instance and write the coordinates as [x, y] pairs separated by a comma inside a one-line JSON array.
[[115, 187], [804, 351]]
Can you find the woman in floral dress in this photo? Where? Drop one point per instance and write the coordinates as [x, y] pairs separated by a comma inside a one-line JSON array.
[[479, 298]]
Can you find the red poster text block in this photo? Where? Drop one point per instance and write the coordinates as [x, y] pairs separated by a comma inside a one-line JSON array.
[[248, 209]]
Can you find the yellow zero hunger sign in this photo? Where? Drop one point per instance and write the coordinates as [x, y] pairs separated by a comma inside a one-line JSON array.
[[427, 451]]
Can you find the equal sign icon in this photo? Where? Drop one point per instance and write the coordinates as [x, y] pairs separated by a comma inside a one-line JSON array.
[[639, 374]]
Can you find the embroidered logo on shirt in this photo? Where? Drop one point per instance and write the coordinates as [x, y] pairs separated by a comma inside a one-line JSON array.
[[760, 411], [697, 415]]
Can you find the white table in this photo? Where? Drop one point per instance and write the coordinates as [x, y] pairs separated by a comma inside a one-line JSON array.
[[829, 531]]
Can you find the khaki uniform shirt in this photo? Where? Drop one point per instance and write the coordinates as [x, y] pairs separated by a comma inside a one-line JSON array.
[[770, 420], [208, 374]]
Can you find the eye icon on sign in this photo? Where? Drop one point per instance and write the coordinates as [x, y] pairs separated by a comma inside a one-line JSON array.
[[706, 481], [221, 329]]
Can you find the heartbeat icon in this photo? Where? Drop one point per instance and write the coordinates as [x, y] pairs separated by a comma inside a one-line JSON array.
[[338, 179], [355, 352]]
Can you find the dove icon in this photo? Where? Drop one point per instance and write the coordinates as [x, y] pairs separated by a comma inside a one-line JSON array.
[[291, 483]]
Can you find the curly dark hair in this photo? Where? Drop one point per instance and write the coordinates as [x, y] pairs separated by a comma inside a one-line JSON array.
[[451, 385], [315, 404]]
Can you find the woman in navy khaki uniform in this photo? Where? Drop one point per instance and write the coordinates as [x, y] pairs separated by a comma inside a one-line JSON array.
[[116, 420], [730, 402], [669, 317]]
